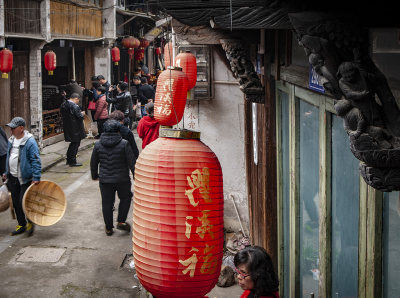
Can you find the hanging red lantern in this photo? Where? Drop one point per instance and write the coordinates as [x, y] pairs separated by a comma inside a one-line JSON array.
[[144, 43], [131, 52], [158, 51], [139, 54], [171, 94], [130, 42], [178, 218], [168, 55], [115, 54], [187, 61], [6, 62], [50, 62]]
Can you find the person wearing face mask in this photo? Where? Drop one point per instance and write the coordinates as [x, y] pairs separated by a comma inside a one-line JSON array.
[[255, 273]]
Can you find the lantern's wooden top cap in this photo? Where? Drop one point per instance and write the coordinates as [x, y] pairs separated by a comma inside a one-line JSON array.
[[175, 68], [168, 132]]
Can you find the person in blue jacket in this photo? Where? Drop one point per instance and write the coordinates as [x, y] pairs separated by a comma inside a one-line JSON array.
[[23, 168]]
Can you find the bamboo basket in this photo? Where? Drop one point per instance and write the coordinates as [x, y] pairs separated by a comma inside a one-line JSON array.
[[45, 203]]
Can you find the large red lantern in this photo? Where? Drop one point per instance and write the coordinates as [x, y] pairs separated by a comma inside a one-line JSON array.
[[139, 54], [144, 43], [130, 42], [168, 55], [6, 62], [171, 94], [50, 62], [187, 61], [178, 218], [115, 55]]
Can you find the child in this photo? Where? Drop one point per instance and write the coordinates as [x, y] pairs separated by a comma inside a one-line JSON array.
[[256, 273]]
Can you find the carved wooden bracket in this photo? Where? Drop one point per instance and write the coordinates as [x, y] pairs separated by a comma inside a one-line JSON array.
[[338, 51], [243, 69]]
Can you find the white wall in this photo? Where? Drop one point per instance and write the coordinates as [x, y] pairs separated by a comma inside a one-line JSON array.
[[102, 62], [221, 123]]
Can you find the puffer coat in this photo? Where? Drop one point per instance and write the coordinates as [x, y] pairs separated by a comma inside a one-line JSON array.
[[112, 158]]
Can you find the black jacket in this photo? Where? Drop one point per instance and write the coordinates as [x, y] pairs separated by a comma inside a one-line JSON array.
[[121, 102], [4, 143], [146, 92], [115, 157], [72, 122], [127, 134]]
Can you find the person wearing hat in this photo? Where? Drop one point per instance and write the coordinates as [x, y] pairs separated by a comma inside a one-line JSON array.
[[23, 168], [148, 127], [111, 160], [74, 130]]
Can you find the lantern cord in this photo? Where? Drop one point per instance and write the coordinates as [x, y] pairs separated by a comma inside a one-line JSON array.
[[231, 12], [169, 25]]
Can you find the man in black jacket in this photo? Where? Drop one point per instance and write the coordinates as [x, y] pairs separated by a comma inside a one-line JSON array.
[[122, 101], [146, 92], [74, 131], [115, 158]]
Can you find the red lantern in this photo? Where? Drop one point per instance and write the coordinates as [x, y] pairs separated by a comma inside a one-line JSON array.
[[115, 54], [130, 42], [178, 218], [6, 62], [131, 52], [168, 55], [158, 51], [139, 54], [144, 43], [50, 62], [171, 94], [187, 61]]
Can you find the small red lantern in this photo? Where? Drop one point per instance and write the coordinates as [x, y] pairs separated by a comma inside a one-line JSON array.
[[130, 42], [50, 62], [178, 218], [115, 54], [168, 55], [144, 43], [158, 51], [171, 94], [6, 62], [187, 61], [139, 54], [131, 52]]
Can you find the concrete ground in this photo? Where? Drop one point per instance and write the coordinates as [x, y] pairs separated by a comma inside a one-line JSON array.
[[74, 257]]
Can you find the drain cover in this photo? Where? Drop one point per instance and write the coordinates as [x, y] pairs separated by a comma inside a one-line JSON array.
[[40, 254]]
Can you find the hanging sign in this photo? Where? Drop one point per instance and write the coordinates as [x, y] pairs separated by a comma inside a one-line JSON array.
[[314, 81]]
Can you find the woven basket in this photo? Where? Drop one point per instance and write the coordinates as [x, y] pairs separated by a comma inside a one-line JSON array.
[[44, 203]]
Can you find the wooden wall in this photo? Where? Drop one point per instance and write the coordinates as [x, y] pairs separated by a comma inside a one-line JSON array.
[[71, 20], [261, 177], [22, 16]]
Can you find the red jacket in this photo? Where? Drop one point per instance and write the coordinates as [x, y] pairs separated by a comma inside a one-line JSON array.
[[101, 108], [148, 130], [247, 293]]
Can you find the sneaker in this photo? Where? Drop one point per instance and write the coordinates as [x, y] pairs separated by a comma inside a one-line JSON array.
[[18, 230], [109, 232], [30, 227], [124, 226]]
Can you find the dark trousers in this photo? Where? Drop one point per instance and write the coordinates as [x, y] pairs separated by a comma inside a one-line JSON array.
[[107, 191], [3, 159], [17, 194], [100, 125], [72, 152]]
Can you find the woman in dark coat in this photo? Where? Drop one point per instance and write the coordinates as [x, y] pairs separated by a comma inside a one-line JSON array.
[[74, 131]]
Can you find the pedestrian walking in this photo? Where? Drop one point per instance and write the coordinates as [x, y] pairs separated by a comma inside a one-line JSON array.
[[101, 112], [255, 273], [148, 127], [125, 132], [74, 130], [23, 168], [146, 94], [3, 150], [111, 160]]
